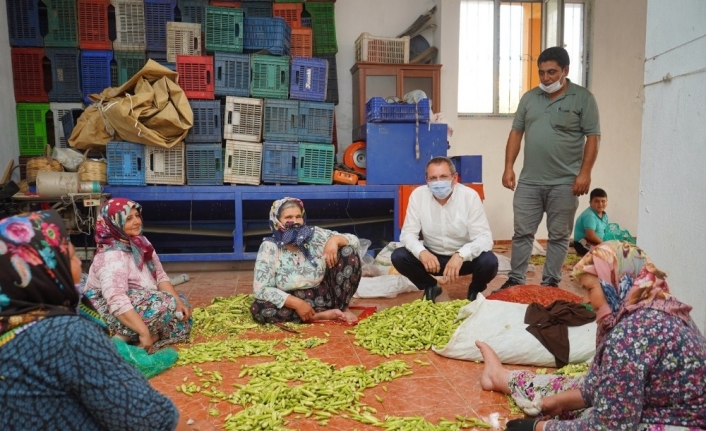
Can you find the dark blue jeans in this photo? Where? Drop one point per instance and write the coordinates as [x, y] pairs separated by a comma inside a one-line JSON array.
[[483, 268]]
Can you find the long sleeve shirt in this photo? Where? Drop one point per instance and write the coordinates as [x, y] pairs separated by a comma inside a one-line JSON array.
[[460, 225], [649, 370], [278, 270], [114, 272]]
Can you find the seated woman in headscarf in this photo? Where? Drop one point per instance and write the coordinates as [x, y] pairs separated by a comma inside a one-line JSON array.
[[127, 284], [60, 370], [304, 273], [649, 371]]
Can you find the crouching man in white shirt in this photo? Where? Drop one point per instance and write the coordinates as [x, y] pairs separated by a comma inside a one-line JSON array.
[[456, 236]]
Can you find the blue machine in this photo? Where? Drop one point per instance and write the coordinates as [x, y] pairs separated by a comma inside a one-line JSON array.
[[469, 168], [390, 151]]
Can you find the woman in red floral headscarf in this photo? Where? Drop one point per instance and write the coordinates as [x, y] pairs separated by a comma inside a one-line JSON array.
[[127, 284]]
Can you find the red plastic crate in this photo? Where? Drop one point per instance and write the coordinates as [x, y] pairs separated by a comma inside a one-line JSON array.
[[290, 12], [93, 24], [196, 76], [28, 75], [302, 43]]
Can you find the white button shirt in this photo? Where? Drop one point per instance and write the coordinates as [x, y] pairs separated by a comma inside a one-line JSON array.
[[458, 226]]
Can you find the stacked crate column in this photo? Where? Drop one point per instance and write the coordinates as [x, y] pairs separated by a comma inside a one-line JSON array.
[[323, 24]]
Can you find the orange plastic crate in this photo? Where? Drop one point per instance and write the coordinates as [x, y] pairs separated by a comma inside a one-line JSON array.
[[290, 12], [196, 76], [302, 44], [406, 190]]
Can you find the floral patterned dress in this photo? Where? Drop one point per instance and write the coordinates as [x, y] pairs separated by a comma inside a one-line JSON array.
[[280, 273], [649, 374]]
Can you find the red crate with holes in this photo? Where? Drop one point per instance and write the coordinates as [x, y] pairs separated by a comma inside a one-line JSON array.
[[290, 12], [28, 75], [302, 43], [196, 76], [93, 24]]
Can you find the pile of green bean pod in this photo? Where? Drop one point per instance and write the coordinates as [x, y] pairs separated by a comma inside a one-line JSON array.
[[226, 316], [407, 328], [229, 349]]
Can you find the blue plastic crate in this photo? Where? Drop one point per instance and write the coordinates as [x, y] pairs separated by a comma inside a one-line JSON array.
[[95, 72], [65, 82], [379, 111], [332, 82], [126, 164], [279, 162], [271, 34], [193, 11], [232, 74], [208, 121], [23, 23], [316, 122], [308, 78], [204, 164], [315, 165], [281, 120], [469, 168], [157, 13], [68, 121], [390, 151], [257, 9], [161, 58]]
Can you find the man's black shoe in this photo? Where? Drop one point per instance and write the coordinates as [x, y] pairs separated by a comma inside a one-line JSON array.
[[430, 293], [472, 296], [508, 283]]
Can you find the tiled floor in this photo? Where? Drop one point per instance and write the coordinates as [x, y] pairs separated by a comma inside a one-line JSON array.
[[443, 389]]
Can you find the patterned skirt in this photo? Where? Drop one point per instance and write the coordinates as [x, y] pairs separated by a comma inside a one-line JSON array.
[[335, 291], [157, 311]]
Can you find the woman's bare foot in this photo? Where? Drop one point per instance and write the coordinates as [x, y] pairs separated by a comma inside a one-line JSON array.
[[494, 377], [333, 314], [350, 316]]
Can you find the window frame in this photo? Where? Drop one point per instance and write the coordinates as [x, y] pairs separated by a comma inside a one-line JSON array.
[[496, 49]]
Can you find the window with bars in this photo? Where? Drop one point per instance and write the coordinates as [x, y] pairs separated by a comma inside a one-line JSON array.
[[499, 43]]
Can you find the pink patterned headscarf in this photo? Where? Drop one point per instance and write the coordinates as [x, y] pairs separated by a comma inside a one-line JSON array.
[[630, 282]]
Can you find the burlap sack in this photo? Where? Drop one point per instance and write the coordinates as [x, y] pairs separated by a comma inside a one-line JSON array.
[[149, 109]]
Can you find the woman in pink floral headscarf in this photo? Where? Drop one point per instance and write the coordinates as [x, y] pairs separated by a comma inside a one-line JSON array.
[[128, 285], [649, 370]]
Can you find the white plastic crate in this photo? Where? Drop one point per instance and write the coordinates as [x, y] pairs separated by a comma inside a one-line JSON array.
[[243, 163], [183, 38], [243, 119], [129, 25], [58, 109], [375, 49], [165, 165]]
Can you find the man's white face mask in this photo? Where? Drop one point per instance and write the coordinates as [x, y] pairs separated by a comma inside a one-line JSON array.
[[554, 87]]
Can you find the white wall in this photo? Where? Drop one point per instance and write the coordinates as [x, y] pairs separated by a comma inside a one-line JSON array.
[[9, 149], [617, 54], [672, 200]]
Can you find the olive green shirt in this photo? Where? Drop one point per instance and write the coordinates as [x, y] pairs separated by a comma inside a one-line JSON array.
[[555, 134]]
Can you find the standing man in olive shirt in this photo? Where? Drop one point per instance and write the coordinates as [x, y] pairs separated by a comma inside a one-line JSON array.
[[559, 121]]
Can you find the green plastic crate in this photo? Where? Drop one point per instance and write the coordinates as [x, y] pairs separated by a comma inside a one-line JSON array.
[[323, 25], [315, 163], [224, 29], [128, 64], [269, 76], [32, 128], [63, 24]]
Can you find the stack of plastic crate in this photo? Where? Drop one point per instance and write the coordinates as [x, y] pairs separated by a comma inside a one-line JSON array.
[[203, 151], [126, 164], [130, 42], [94, 19]]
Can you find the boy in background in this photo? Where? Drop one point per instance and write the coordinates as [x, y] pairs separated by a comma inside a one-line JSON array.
[[591, 225]]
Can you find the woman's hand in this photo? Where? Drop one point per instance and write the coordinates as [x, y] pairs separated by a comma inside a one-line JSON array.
[[304, 310], [331, 249], [146, 341], [185, 311], [551, 406]]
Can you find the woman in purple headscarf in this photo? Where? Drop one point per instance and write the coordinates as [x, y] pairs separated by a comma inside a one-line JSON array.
[[649, 370], [304, 273]]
